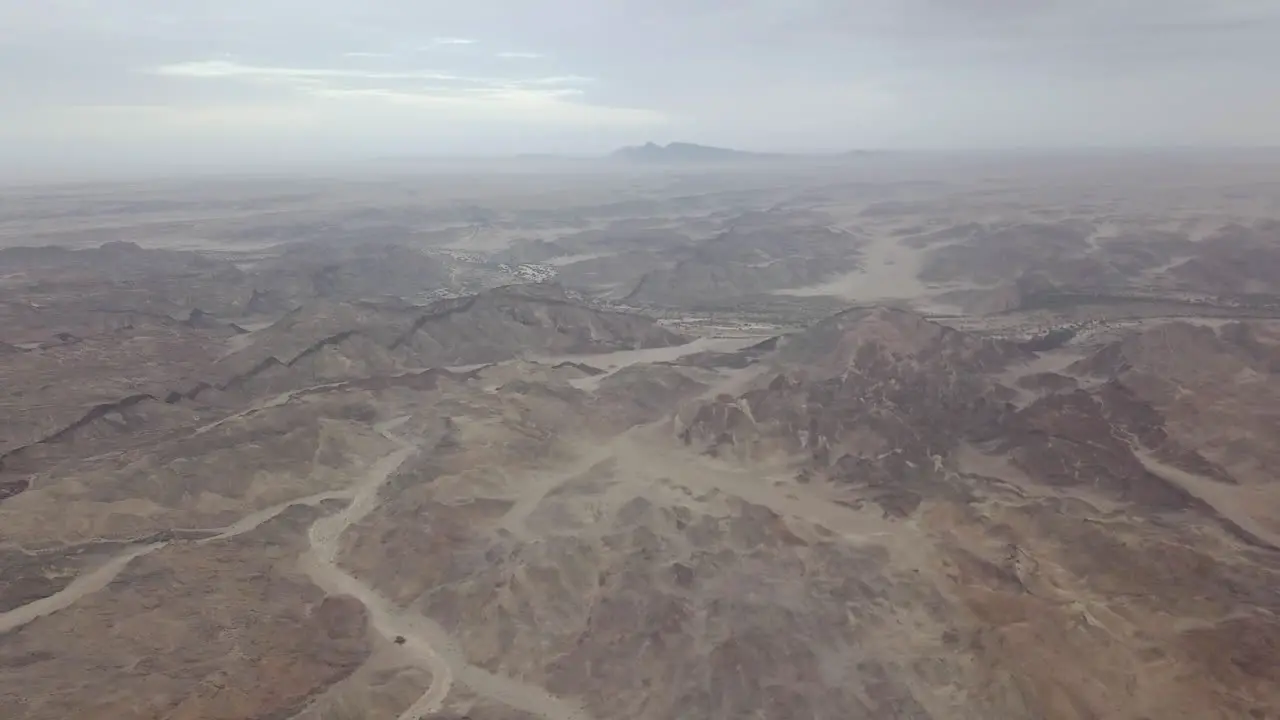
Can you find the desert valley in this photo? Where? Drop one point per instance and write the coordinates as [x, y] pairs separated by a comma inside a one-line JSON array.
[[878, 436]]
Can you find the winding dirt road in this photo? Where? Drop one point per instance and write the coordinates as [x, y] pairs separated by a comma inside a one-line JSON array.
[[321, 565], [428, 643], [86, 584]]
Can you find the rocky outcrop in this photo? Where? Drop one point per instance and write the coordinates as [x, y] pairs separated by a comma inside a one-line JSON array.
[[759, 254], [346, 271], [511, 322], [873, 399], [65, 434], [884, 398]]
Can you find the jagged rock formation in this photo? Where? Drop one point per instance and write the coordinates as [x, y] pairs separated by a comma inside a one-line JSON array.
[[277, 482], [759, 254], [355, 340], [345, 271], [883, 407], [350, 342], [1237, 259]]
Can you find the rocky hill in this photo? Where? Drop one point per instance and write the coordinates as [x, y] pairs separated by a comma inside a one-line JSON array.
[[329, 342], [345, 271], [875, 441], [883, 407], [684, 153], [759, 254]]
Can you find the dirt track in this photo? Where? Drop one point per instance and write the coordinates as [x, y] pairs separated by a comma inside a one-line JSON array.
[[423, 638]]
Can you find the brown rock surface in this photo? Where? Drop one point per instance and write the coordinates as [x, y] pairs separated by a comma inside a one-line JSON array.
[[1017, 533], [316, 481], [224, 630]]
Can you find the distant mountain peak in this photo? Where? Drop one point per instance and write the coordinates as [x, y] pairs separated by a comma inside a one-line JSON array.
[[682, 152]]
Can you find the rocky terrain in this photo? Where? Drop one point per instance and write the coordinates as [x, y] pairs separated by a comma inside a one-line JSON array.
[[779, 446], [757, 255]]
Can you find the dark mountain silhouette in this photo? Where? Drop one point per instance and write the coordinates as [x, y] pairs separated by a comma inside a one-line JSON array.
[[678, 152]]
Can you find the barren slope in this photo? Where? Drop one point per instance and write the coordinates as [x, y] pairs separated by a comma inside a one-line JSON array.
[[278, 483]]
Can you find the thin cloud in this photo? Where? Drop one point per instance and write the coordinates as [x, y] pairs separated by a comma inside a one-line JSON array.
[[442, 95], [224, 69], [561, 80], [553, 99], [556, 107], [889, 73], [215, 69]]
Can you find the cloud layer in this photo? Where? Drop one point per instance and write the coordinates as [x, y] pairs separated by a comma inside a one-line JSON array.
[[155, 78]]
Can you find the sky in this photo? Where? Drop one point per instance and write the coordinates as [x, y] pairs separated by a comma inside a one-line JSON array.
[[235, 81]]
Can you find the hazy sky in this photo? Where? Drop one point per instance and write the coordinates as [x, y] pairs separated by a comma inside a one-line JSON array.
[[159, 80]]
